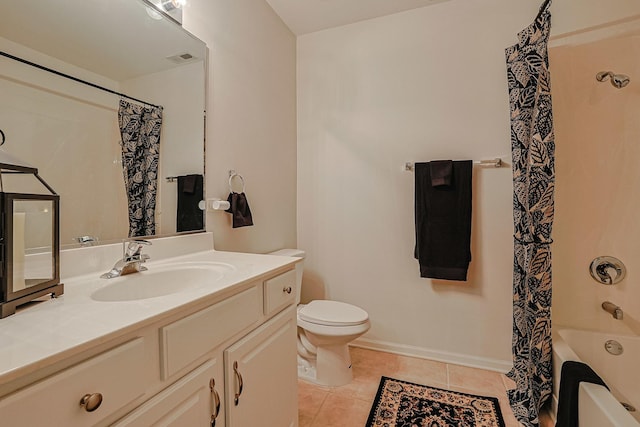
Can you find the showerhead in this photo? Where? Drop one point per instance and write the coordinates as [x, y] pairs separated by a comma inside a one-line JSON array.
[[617, 80]]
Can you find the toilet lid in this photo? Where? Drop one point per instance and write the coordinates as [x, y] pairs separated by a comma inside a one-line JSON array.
[[332, 313]]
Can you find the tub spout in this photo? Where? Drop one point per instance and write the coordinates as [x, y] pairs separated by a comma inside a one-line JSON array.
[[613, 309]]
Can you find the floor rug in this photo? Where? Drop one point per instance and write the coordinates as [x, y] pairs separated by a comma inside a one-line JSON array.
[[404, 404]]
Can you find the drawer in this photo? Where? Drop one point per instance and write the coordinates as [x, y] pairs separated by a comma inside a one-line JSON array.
[[119, 375], [279, 292], [186, 340]]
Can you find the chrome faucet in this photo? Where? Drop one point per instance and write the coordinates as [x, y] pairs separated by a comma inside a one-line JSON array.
[[132, 259], [86, 240], [613, 309]]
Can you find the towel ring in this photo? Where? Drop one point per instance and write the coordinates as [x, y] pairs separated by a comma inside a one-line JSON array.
[[2, 137], [234, 175]]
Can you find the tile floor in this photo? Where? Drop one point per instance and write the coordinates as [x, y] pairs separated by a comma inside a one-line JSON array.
[[349, 405]]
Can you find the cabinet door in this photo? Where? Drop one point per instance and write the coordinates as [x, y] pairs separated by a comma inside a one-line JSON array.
[[191, 401], [261, 375]]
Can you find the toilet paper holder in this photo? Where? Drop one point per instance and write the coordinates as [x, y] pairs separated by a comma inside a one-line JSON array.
[[214, 204]]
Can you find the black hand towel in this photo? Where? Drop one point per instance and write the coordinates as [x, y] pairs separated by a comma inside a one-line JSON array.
[[443, 221], [239, 210], [441, 171], [189, 215], [573, 373]]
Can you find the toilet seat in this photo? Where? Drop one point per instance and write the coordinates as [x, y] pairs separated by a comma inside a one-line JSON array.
[[332, 313]]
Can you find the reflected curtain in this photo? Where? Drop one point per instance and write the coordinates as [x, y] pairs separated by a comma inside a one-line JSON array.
[[532, 145], [140, 139]]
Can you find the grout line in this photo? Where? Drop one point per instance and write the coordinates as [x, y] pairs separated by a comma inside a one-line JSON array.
[[324, 400], [448, 377]]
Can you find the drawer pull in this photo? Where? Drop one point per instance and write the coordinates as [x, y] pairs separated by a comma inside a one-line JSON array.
[[236, 400], [287, 289], [91, 402], [216, 402]]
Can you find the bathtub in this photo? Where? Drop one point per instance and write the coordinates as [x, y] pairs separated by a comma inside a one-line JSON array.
[[597, 406]]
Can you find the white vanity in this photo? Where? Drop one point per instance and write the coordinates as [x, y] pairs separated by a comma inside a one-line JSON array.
[[213, 344]]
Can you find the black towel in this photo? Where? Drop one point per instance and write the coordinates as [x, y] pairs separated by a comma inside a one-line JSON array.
[[239, 210], [573, 373], [441, 171], [443, 222], [189, 216]]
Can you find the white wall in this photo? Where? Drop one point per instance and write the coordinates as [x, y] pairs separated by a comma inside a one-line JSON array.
[[419, 85], [251, 118]]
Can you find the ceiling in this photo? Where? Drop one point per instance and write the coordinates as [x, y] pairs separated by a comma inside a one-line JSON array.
[[307, 16]]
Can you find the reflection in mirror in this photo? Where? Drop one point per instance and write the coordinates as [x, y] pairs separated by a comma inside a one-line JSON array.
[[32, 234], [70, 131]]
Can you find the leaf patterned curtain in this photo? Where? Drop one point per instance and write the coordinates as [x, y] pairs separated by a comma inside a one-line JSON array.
[[140, 132], [532, 145]]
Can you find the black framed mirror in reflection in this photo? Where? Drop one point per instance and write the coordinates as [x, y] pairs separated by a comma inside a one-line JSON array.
[[100, 151]]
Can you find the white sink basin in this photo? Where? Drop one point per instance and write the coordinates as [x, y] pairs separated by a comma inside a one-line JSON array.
[[160, 281]]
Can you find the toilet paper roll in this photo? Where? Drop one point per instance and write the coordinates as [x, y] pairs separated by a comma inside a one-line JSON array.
[[220, 205]]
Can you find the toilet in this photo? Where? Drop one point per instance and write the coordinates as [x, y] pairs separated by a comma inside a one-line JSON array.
[[325, 328]]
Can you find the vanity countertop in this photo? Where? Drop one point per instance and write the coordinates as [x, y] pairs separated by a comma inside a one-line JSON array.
[[51, 330]]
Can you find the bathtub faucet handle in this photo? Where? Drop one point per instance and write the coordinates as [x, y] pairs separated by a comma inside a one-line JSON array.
[[603, 272]]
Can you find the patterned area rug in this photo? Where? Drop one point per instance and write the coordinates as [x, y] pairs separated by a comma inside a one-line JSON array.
[[403, 404]]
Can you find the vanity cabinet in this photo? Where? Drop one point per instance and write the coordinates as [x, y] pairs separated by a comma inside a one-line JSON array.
[[229, 363], [249, 384]]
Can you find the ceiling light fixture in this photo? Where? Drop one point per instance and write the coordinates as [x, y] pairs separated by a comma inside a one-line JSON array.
[[169, 5]]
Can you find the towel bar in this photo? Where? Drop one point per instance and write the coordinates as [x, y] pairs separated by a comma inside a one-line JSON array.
[[496, 163]]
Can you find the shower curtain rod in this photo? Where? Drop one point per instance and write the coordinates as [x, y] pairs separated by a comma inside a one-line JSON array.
[[75, 79]]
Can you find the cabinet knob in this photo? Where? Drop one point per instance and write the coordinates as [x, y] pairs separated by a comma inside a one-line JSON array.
[[287, 289], [91, 402]]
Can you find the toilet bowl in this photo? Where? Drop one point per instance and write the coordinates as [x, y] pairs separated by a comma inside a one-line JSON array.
[[325, 329]]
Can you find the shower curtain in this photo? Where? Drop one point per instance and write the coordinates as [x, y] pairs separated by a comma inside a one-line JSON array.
[[532, 145], [140, 132]]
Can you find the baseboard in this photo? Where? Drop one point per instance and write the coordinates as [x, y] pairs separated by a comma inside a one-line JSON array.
[[440, 356]]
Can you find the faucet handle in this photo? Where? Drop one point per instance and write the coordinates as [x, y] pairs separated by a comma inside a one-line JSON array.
[[134, 248]]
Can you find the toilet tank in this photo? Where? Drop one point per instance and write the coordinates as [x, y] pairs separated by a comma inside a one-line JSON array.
[[294, 253]]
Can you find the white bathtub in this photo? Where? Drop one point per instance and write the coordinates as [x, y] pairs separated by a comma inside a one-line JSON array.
[[597, 406]]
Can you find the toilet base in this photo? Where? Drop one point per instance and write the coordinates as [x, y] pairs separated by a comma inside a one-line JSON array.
[[331, 367]]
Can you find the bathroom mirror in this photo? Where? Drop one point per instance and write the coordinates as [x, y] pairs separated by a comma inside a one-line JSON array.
[[70, 131]]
